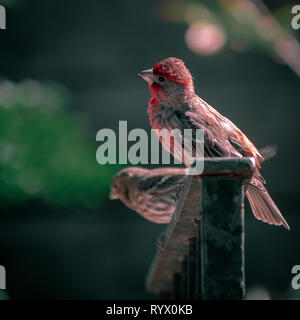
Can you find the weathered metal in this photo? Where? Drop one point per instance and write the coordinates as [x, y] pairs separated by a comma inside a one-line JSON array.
[[203, 256]]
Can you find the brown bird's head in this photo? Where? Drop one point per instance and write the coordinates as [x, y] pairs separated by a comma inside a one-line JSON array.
[[169, 80], [123, 181], [119, 185]]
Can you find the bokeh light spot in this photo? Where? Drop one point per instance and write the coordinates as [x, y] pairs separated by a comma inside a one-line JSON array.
[[205, 38]]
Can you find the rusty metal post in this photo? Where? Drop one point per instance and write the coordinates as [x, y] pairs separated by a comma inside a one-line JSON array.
[[222, 239], [204, 243]]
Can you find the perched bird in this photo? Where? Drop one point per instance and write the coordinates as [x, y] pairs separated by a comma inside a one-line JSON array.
[[154, 193], [151, 193], [175, 105]]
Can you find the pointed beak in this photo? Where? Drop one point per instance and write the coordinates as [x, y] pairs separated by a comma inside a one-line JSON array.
[[113, 196], [147, 75]]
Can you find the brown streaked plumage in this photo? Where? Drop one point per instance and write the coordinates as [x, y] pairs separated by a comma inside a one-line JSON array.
[[151, 193], [175, 105]]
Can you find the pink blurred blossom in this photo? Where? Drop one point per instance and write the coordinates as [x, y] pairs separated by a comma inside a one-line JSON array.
[[205, 38]]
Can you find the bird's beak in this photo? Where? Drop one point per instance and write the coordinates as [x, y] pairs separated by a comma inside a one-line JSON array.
[[147, 75], [113, 196]]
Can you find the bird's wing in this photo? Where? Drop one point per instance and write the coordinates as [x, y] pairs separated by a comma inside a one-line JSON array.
[[222, 137], [215, 137], [161, 183], [243, 145]]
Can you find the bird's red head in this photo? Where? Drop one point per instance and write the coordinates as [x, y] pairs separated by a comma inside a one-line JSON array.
[[169, 81], [174, 70]]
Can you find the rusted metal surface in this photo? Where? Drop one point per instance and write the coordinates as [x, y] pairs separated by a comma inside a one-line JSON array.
[[168, 264], [222, 239], [203, 256]]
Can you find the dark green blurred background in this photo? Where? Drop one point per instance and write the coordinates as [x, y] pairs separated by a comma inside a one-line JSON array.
[[68, 69]]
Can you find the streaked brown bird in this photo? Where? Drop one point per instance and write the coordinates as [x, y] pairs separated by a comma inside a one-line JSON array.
[[151, 193], [175, 105], [154, 193]]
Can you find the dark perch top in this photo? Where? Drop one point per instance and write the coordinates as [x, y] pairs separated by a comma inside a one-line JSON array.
[[184, 227]]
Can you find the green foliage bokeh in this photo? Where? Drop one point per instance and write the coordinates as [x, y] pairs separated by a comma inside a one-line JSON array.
[[44, 149]]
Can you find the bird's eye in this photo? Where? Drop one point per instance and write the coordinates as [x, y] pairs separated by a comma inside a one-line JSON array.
[[161, 79]]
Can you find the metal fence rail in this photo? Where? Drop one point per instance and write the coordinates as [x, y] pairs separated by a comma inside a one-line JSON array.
[[203, 256]]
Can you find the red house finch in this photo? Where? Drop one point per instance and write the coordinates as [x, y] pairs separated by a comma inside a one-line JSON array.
[[175, 105], [154, 193]]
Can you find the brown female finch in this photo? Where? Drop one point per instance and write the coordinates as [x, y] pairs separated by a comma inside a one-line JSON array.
[[174, 104], [151, 193], [154, 193]]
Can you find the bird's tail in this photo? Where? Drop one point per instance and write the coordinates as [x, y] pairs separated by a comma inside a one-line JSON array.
[[263, 206]]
